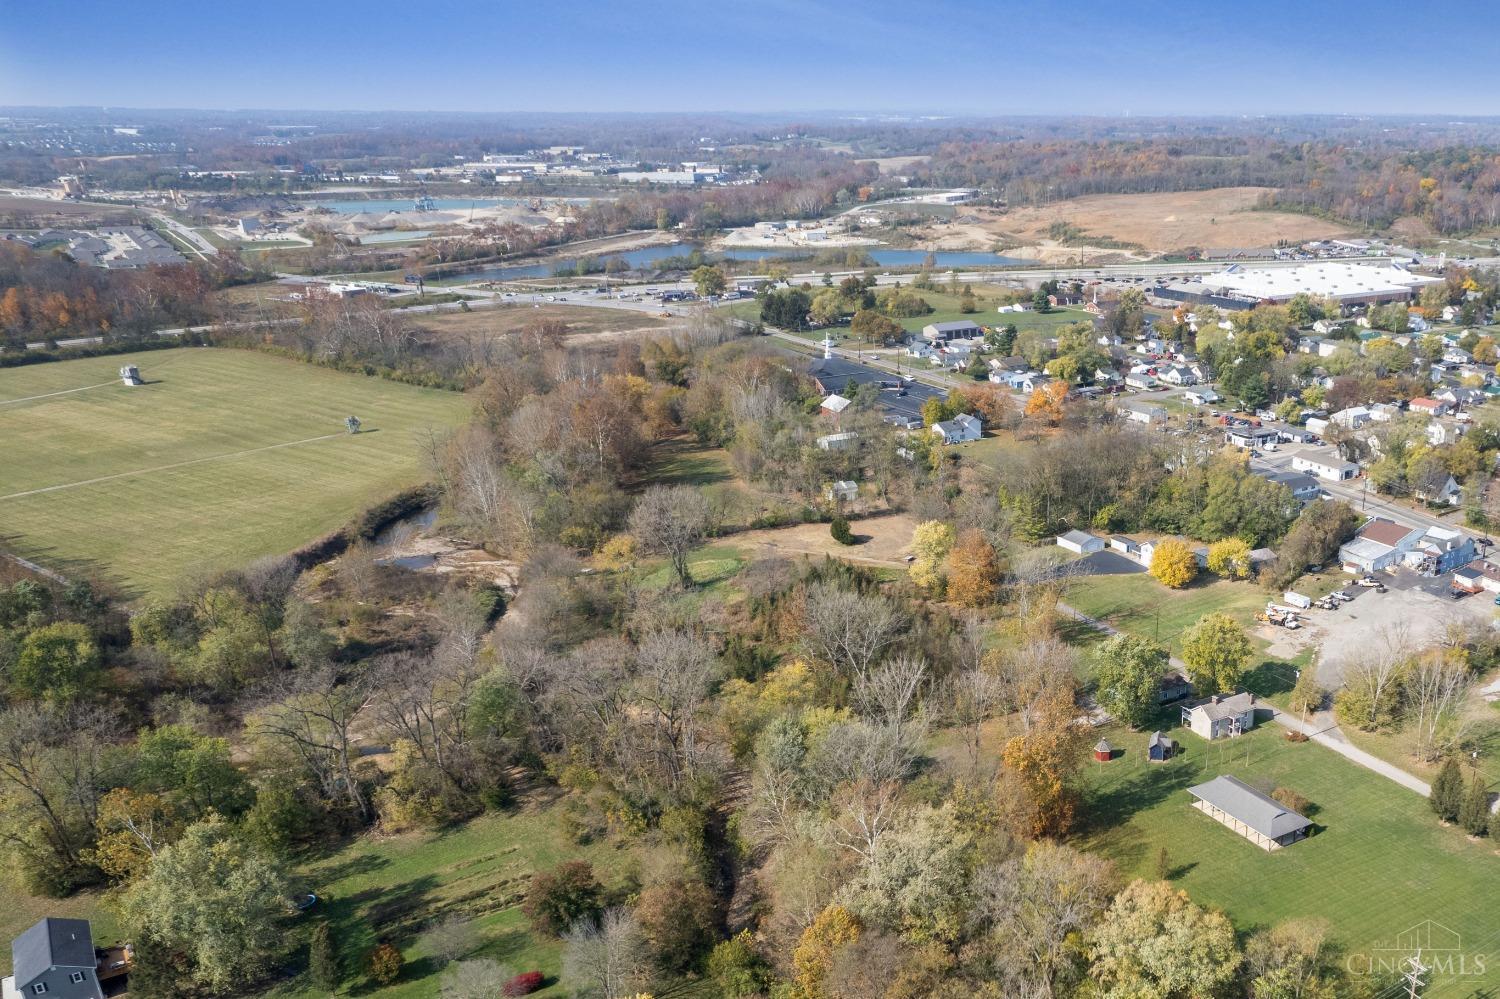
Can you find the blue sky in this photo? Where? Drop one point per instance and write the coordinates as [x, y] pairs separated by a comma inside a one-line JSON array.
[[1084, 56]]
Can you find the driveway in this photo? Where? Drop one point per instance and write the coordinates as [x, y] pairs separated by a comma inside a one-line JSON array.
[[1106, 563]]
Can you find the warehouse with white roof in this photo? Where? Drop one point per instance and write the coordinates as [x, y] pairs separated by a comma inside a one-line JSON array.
[[1348, 283]]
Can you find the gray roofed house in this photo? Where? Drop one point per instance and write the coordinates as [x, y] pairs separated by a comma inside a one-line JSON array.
[[1258, 817], [1219, 716], [55, 958]]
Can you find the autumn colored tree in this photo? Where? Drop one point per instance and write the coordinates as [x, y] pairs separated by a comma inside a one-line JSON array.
[[1155, 942], [973, 571], [1046, 761], [930, 544], [385, 963], [1173, 563], [557, 899], [990, 402], [875, 327], [1229, 558], [709, 281], [1046, 403], [834, 927], [1217, 652]]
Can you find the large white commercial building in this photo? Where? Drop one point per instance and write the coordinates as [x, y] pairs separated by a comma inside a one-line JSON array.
[[1345, 282]]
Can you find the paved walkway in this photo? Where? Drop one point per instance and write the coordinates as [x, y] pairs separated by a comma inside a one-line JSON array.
[[1321, 728]]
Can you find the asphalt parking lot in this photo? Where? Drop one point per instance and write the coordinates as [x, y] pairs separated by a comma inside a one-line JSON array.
[[1107, 563]]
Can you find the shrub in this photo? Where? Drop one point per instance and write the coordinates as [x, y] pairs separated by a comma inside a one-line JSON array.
[[561, 897], [323, 961], [523, 984], [840, 531], [386, 963], [1291, 800]]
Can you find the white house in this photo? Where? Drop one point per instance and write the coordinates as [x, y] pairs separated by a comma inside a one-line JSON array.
[[1178, 374], [1081, 542], [1141, 381], [962, 427], [1221, 717], [1325, 464], [1140, 412], [1202, 397], [1354, 417]]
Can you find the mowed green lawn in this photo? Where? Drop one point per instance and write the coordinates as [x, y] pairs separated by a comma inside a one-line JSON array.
[[224, 456], [1136, 603], [1377, 864]]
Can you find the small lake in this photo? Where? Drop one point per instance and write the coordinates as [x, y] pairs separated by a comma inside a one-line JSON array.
[[647, 256]]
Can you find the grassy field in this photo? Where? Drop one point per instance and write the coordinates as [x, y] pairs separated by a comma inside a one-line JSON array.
[[395, 888], [1377, 864], [224, 456], [1137, 603]]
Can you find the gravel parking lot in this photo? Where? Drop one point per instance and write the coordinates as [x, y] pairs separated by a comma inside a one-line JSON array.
[[1413, 608]]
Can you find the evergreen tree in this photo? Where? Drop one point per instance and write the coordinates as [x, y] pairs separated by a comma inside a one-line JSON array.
[[1474, 813], [323, 961], [1163, 865], [1447, 791]]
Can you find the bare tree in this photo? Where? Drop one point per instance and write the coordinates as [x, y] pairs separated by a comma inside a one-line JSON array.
[[607, 959], [888, 694], [311, 719], [480, 978], [1374, 676], [1032, 671], [972, 698], [675, 670], [849, 630], [672, 521], [1436, 689], [864, 811]]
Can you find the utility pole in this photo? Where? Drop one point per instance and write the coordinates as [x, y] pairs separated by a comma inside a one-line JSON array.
[[1413, 976]]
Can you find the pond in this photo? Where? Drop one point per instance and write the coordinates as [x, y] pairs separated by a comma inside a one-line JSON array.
[[649, 255]]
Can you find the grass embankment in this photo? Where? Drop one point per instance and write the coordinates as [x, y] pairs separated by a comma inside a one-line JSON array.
[[222, 457], [397, 887]]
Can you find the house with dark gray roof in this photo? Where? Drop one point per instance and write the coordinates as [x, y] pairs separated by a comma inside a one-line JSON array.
[[54, 958], [1258, 817]]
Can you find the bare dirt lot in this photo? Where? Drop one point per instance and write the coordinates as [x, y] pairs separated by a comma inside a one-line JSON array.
[[882, 540], [45, 211], [585, 324], [1156, 223]]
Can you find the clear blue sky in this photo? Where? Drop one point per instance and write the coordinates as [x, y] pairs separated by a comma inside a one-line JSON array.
[[1102, 57]]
